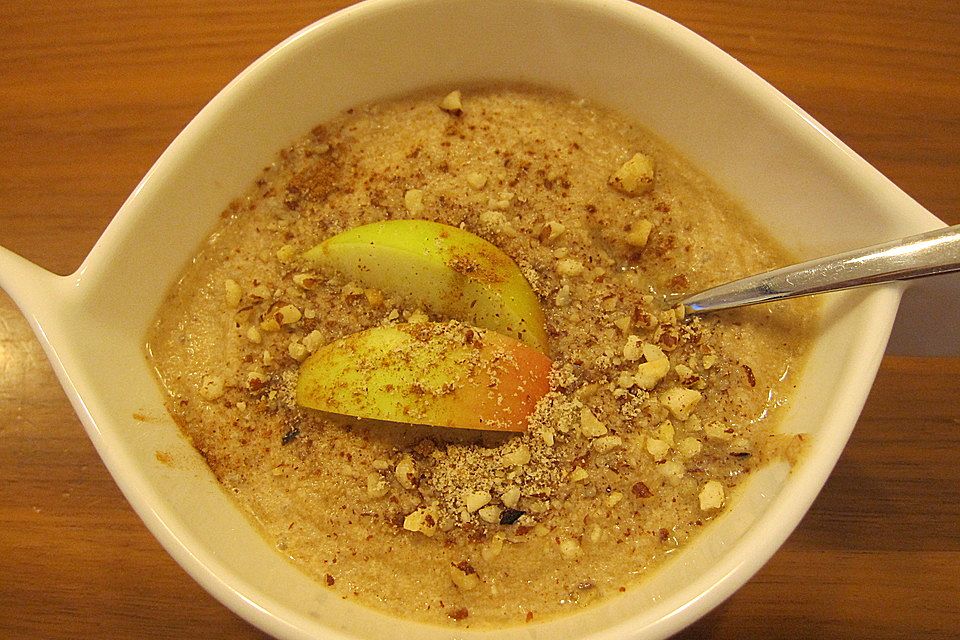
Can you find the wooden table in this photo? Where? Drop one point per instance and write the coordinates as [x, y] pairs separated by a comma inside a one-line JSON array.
[[92, 92]]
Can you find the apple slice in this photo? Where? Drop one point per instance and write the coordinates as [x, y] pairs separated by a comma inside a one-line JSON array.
[[447, 270], [440, 374]]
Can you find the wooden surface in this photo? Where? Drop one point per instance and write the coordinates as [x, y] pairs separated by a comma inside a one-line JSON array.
[[91, 93]]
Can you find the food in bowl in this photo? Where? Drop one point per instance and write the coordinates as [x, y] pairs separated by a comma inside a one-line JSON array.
[[647, 423]]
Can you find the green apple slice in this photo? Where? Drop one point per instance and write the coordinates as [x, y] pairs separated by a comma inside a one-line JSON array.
[[440, 374], [447, 270]]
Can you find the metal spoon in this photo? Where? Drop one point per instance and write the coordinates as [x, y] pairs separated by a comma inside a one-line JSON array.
[[927, 254]]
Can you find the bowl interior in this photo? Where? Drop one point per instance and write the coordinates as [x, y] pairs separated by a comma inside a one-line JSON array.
[[807, 189]]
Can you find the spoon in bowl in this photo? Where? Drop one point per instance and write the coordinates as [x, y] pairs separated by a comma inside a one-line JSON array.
[[927, 254]]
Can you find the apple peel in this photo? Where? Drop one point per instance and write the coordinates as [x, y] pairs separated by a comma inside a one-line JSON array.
[[440, 374], [448, 270]]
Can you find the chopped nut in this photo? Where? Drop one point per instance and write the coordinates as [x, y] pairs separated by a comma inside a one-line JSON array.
[[689, 447], [605, 444], [650, 373], [424, 520], [511, 497], [632, 349], [418, 317], [569, 267], [657, 448], [477, 180], [253, 335], [374, 297], [305, 280], [680, 402], [635, 177], [672, 470], [476, 499], [376, 485], [596, 532], [718, 431], [613, 499], [569, 548], [667, 431], [686, 375], [652, 352], [493, 549], [413, 201], [286, 253], [297, 351], [497, 221], [578, 474], [551, 231], [211, 387], [709, 360], [711, 495], [563, 296], [313, 340], [452, 103], [639, 234], [269, 324], [288, 314], [646, 321], [516, 458], [406, 472], [261, 291], [464, 576], [256, 379], [232, 292], [590, 426], [490, 514]]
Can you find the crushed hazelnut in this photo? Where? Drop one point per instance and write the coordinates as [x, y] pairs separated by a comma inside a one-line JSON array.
[[377, 486], [232, 292], [406, 472], [639, 234], [286, 253], [606, 444], [689, 447], [578, 474], [711, 495], [657, 448], [516, 458], [452, 103], [569, 548], [490, 514], [511, 497], [297, 351], [551, 231], [413, 201], [590, 426], [424, 520], [635, 176], [211, 387], [569, 267], [680, 401], [476, 180], [476, 499]]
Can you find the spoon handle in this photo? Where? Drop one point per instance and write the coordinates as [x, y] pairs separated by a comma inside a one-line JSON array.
[[927, 254]]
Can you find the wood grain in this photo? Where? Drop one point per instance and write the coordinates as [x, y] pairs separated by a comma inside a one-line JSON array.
[[92, 92]]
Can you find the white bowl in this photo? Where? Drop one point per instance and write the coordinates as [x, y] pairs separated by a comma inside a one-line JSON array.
[[807, 188]]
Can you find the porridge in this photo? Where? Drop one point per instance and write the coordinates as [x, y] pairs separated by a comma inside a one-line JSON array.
[[647, 420]]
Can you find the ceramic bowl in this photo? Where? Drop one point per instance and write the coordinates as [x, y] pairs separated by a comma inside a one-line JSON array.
[[807, 188]]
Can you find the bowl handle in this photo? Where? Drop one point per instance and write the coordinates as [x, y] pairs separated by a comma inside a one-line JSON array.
[[38, 293]]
